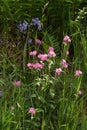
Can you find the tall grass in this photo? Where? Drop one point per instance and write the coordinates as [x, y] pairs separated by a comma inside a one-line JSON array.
[[56, 88]]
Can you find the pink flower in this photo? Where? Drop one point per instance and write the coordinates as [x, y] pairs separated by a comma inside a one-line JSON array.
[[51, 54], [67, 39], [51, 49], [39, 56], [43, 57], [17, 83], [58, 71], [30, 65], [79, 92], [78, 72], [32, 111], [67, 52], [33, 53], [64, 63], [37, 41], [37, 66]]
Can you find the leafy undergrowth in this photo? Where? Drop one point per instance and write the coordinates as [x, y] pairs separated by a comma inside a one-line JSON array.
[[40, 90], [42, 79]]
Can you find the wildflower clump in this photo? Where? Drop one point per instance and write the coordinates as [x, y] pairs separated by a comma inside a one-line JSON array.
[[32, 110], [33, 53], [64, 63], [58, 71], [51, 52], [29, 30], [22, 26], [36, 65], [79, 92], [67, 39], [78, 73], [43, 57], [38, 41], [36, 22], [17, 83]]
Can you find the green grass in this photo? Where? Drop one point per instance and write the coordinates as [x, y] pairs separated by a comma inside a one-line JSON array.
[[55, 98]]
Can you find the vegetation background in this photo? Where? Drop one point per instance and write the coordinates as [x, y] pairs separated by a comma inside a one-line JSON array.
[[55, 98]]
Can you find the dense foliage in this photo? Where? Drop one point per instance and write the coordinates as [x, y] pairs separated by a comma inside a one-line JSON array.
[[43, 64]]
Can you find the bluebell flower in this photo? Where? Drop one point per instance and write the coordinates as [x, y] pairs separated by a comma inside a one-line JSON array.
[[23, 26], [39, 26], [36, 21], [30, 40]]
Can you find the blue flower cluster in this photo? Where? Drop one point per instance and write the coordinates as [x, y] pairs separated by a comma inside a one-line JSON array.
[[23, 26], [36, 21], [28, 28]]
